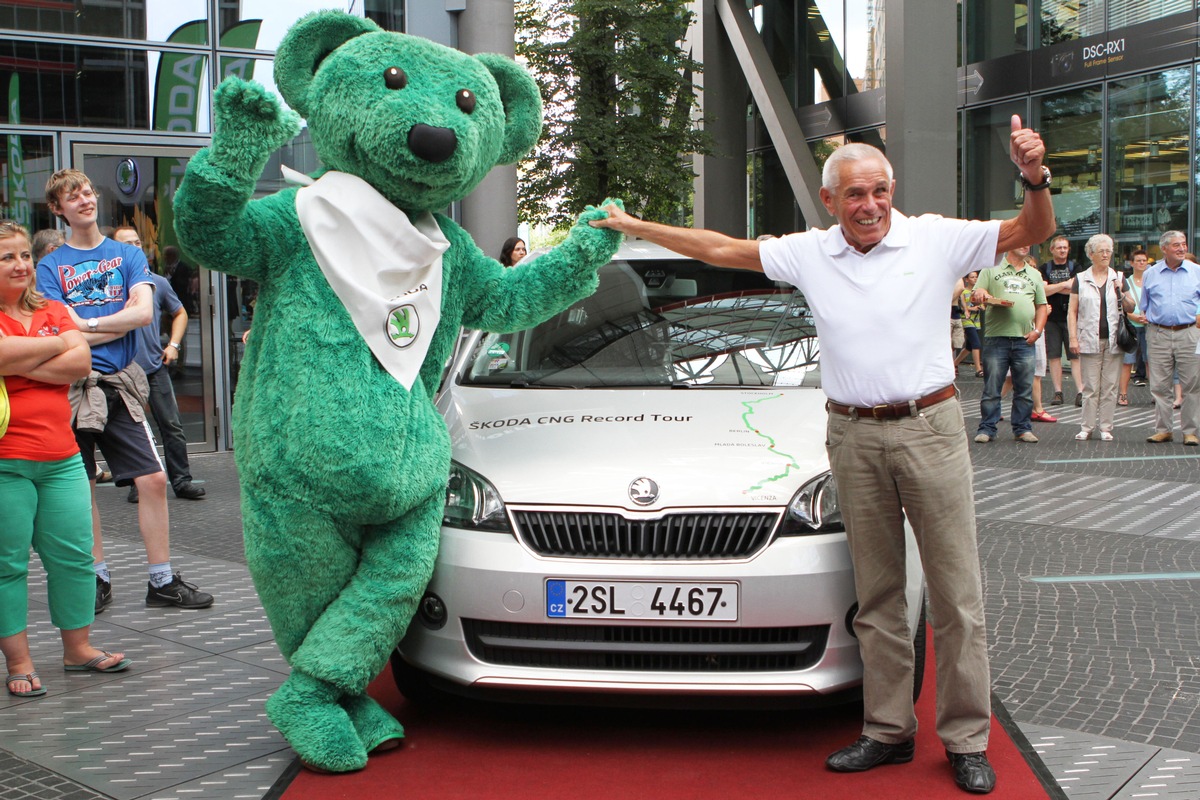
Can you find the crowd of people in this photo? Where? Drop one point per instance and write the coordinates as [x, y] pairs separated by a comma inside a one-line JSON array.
[[1032, 317]]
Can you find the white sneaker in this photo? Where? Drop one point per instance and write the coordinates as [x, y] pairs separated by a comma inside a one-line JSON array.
[[982, 438], [1083, 436]]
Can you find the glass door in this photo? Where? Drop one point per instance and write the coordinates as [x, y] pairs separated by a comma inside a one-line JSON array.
[[136, 183]]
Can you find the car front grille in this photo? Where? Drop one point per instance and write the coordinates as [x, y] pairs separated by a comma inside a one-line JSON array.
[[679, 536], [650, 649]]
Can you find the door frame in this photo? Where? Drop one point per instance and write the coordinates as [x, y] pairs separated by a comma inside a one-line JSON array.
[[74, 147]]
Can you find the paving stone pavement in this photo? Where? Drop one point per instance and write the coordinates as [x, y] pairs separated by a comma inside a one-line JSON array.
[[1090, 557]]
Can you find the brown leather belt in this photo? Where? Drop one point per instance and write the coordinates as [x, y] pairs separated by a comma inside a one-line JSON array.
[[892, 410], [1174, 327]]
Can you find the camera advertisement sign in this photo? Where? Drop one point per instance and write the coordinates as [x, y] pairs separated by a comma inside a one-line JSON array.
[[1137, 48]]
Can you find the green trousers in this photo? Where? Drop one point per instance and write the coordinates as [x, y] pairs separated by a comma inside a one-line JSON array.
[[46, 505]]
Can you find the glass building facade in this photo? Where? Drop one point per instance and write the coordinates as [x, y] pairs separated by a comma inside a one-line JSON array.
[[1110, 85]]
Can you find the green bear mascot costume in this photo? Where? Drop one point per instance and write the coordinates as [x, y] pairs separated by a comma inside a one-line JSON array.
[[363, 288]]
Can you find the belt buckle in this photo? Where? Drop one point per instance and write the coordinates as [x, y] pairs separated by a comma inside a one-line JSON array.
[[875, 410]]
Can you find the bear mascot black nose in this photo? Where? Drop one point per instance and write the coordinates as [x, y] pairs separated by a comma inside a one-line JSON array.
[[432, 144]]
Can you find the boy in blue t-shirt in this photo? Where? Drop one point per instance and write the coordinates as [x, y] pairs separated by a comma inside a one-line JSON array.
[[107, 287]]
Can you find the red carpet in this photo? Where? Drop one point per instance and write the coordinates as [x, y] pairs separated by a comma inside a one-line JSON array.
[[474, 751]]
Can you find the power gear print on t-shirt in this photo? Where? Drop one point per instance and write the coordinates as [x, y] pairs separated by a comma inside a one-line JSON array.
[[96, 283]]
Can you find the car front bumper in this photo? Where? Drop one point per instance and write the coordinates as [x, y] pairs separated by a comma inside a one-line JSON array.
[[796, 597]]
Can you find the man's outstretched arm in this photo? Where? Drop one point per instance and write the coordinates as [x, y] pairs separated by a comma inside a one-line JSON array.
[[704, 245]]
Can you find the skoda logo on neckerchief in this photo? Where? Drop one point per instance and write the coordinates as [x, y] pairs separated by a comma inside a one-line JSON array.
[[403, 325]]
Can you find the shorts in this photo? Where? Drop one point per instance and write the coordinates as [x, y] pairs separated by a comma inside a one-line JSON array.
[[971, 334], [127, 446], [956, 334], [1057, 339]]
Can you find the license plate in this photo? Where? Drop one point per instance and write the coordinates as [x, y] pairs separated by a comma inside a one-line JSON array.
[[698, 602]]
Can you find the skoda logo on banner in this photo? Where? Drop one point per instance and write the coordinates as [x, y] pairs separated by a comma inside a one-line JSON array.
[[127, 177], [643, 491]]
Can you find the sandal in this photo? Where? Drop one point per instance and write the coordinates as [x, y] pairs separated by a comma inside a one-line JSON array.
[[978, 373], [93, 665], [27, 678], [1122, 399]]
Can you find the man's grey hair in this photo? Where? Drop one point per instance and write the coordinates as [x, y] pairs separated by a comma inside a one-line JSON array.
[[854, 151], [1168, 236], [1095, 242]]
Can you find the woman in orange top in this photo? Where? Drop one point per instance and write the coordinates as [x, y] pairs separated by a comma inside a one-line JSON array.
[[43, 489]]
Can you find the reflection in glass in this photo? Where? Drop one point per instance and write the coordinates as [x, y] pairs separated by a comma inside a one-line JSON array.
[[1148, 164], [991, 189], [69, 86], [25, 165], [1065, 20], [660, 324], [1072, 125], [1121, 14], [151, 20], [995, 28]]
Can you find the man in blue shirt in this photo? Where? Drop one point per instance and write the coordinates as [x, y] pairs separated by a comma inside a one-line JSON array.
[[1170, 301], [154, 359], [107, 287]]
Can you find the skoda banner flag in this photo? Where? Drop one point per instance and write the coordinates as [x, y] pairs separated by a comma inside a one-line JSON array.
[[18, 193], [178, 91]]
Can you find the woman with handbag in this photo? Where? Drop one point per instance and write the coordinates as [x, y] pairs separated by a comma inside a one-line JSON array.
[[43, 488], [1094, 319]]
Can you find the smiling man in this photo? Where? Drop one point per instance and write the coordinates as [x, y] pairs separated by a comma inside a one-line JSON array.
[[877, 282]]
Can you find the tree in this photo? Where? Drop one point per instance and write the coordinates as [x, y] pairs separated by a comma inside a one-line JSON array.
[[619, 106]]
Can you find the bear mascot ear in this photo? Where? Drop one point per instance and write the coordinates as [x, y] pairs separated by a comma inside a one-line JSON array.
[[306, 45], [522, 106]]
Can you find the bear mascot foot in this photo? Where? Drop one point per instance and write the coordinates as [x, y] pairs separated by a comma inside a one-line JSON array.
[[306, 711], [378, 730]]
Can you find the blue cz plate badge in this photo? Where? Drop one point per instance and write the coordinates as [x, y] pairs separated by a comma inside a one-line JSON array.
[[642, 600]]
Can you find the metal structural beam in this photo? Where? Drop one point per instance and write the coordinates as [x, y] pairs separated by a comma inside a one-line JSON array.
[[778, 115]]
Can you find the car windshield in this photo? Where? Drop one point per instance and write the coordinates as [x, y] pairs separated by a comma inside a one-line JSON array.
[[660, 323]]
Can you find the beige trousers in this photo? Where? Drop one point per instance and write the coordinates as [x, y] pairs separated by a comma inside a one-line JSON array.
[[1100, 372], [918, 467]]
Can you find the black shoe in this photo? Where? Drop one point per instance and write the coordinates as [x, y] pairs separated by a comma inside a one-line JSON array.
[[867, 753], [103, 594], [1057, 399], [189, 491], [177, 593], [1079, 400], [1139, 381], [972, 772], [132, 497]]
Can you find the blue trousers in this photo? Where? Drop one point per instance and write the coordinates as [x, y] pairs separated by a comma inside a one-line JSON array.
[[1002, 354]]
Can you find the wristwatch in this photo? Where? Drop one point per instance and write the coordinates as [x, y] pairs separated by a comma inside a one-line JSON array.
[[1036, 187], [173, 344], [92, 324]]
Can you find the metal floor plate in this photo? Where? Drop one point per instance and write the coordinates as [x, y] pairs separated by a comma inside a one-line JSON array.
[[185, 721], [1093, 768]]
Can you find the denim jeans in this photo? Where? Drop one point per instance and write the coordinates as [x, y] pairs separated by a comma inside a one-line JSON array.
[[1002, 354], [165, 411]]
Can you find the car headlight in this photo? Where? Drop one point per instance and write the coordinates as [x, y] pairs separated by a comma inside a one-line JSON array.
[[472, 503], [814, 508]]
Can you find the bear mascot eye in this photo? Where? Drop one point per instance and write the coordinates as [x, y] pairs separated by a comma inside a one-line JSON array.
[[395, 78], [466, 100]]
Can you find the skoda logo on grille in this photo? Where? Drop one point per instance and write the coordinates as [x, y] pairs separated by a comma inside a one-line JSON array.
[[643, 491]]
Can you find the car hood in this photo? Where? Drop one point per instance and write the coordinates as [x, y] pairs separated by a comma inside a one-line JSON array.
[[700, 447]]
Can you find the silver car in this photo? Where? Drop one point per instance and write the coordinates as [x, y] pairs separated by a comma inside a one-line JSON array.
[[640, 501]]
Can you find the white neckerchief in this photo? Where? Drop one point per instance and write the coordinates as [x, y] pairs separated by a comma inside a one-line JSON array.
[[386, 270]]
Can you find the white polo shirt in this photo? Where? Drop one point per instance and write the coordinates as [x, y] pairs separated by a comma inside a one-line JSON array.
[[882, 316]]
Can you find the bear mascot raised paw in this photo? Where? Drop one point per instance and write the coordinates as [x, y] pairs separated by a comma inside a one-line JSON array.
[[363, 288]]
